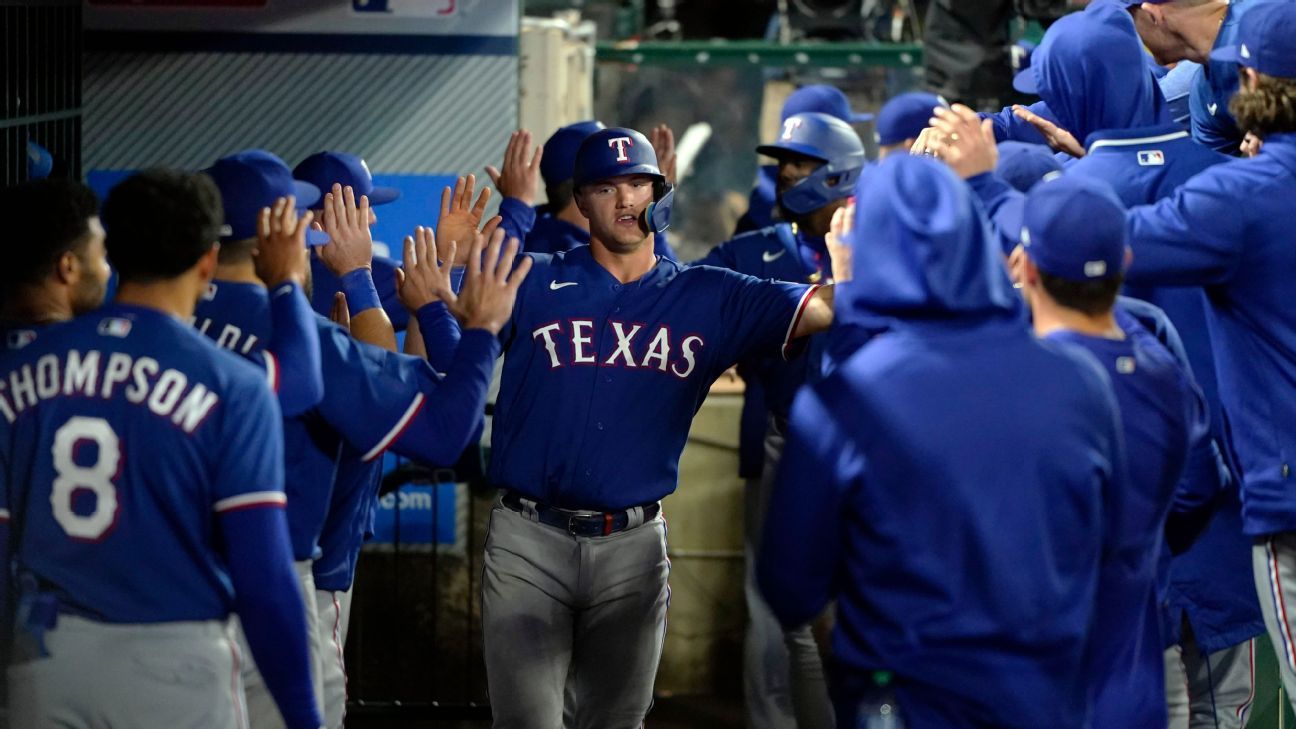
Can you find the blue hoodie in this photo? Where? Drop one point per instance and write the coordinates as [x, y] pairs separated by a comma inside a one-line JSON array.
[[951, 483], [1092, 74]]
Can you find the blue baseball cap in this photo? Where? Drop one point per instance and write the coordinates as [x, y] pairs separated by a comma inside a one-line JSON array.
[[325, 169], [824, 99], [1022, 164], [1266, 40], [559, 158], [251, 180], [905, 116], [40, 163], [1074, 228]]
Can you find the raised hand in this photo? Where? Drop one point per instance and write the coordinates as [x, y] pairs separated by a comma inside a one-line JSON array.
[[517, 178], [491, 284], [459, 215], [1058, 138], [426, 277], [663, 143], [839, 249], [347, 224], [280, 255], [963, 140]]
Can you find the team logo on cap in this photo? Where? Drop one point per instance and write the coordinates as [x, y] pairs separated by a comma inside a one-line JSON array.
[[621, 143], [790, 126], [1095, 269], [1246, 52], [1025, 237], [1151, 158]]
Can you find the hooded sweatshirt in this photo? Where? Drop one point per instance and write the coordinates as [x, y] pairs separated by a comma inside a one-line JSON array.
[[949, 484]]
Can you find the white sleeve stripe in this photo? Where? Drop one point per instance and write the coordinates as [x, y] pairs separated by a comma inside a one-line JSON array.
[[248, 500], [396, 430], [272, 371], [796, 318]]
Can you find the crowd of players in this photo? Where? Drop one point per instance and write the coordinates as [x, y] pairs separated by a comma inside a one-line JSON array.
[[1018, 407]]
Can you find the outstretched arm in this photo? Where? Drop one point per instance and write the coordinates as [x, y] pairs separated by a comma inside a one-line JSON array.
[[818, 314]]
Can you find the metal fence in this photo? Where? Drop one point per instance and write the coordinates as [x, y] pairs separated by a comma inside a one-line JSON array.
[[40, 100]]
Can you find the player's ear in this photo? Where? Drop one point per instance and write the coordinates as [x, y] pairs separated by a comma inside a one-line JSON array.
[[578, 196], [206, 266], [1129, 257], [68, 268]]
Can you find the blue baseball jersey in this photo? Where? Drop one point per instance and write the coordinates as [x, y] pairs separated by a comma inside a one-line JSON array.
[[540, 231], [1228, 230], [779, 253], [371, 398], [123, 433], [1159, 408], [601, 379], [349, 519]]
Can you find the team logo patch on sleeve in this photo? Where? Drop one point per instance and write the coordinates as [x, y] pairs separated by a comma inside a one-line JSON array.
[[115, 327], [1151, 158], [20, 338]]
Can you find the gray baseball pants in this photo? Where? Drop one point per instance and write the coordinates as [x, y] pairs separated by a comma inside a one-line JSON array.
[[554, 604]]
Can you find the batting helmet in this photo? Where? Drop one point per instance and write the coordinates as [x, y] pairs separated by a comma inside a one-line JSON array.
[[822, 137], [617, 151]]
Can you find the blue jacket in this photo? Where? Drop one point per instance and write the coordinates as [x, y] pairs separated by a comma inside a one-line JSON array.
[[1094, 76], [917, 470], [1229, 229]]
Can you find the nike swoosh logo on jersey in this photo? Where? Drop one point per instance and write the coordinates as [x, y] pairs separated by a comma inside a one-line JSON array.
[[554, 285], [1211, 108], [770, 256]]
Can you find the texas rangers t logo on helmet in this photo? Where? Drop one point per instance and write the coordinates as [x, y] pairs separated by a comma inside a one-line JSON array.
[[789, 126], [621, 143]]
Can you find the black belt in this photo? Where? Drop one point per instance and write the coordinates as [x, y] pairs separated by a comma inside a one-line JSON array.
[[581, 524]]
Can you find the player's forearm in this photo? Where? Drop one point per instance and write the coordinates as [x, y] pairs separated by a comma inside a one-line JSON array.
[[369, 323], [439, 332], [516, 218], [818, 314], [296, 349], [456, 405], [269, 603]]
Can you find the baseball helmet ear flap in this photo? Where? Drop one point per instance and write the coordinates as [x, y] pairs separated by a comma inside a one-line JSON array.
[[657, 215]]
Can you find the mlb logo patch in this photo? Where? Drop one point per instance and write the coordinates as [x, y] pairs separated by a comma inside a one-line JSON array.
[[1151, 158], [1125, 365], [20, 338], [115, 327]]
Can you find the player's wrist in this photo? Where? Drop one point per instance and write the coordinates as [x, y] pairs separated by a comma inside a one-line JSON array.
[[361, 293]]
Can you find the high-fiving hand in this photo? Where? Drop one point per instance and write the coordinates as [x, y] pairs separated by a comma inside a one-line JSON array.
[[427, 271], [347, 224], [663, 143], [459, 215], [517, 178], [491, 284], [280, 255]]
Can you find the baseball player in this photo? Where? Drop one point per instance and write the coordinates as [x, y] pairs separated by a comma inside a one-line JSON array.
[[819, 159], [894, 490], [821, 98], [373, 399], [60, 269], [610, 351], [353, 502], [142, 467], [558, 224], [1074, 240]]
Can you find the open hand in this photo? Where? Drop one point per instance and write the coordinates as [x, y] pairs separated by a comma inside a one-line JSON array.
[[963, 140], [427, 277], [491, 284], [350, 243], [280, 255], [663, 143], [517, 178], [459, 215], [1059, 139]]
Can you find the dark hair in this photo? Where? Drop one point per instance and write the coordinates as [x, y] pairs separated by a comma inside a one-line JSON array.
[[46, 219], [1269, 109], [559, 196], [1094, 297], [160, 222]]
